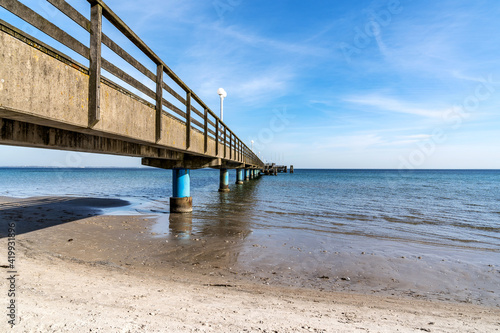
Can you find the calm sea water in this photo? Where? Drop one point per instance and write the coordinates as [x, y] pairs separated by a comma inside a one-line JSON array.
[[459, 209], [432, 233]]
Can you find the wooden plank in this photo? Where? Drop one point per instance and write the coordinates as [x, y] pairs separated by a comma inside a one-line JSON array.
[[202, 104], [188, 120], [197, 123], [72, 13], [119, 73], [198, 113], [95, 65], [127, 57], [159, 98], [124, 29], [205, 131], [211, 134], [210, 122], [28, 15], [82, 21], [174, 93], [174, 108], [202, 115]]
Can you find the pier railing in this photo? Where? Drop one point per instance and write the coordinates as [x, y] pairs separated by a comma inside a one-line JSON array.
[[205, 120]]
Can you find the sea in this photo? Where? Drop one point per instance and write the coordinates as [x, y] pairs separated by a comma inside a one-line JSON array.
[[431, 232]]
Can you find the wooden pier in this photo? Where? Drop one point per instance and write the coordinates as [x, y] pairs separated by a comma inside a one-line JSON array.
[[49, 100], [271, 169]]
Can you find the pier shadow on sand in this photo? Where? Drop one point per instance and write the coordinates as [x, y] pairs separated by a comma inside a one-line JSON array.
[[39, 213]]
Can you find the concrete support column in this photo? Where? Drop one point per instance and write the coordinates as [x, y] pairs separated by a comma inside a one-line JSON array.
[[181, 200], [239, 176], [252, 174], [247, 174], [224, 180]]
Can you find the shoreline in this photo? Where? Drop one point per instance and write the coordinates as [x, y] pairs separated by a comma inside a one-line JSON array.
[[62, 295], [208, 269]]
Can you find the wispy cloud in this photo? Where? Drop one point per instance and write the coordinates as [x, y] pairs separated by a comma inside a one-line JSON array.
[[349, 141], [250, 38], [388, 104]]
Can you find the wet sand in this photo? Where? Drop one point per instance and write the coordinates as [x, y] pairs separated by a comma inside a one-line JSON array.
[[79, 269]]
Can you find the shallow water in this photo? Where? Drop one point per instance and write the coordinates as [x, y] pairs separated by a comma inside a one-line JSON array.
[[427, 232]]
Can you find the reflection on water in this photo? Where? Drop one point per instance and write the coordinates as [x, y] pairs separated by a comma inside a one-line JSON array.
[[181, 225]]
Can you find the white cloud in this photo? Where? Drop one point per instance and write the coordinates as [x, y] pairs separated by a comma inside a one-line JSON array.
[[389, 104], [349, 141], [265, 43], [416, 137]]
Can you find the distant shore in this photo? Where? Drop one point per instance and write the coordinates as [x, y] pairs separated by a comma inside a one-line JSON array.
[[78, 269]]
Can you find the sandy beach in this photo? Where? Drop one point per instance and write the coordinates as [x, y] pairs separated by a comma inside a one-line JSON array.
[[81, 271]]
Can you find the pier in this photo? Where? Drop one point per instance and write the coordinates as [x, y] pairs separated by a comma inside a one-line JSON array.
[[49, 100], [273, 169]]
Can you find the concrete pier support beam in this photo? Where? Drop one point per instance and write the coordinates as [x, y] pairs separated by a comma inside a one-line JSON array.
[[181, 200], [247, 174], [252, 175], [224, 180], [239, 176]]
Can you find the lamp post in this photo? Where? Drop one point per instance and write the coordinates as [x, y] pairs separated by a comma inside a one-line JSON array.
[[223, 94]]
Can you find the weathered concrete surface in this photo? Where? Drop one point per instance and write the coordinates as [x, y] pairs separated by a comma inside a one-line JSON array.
[[38, 89], [16, 133]]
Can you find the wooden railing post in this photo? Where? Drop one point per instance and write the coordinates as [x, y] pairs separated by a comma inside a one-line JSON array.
[[225, 141], [205, 130], [159, 98], [95, 64], [188, 119], [230, 145], [217, 137]]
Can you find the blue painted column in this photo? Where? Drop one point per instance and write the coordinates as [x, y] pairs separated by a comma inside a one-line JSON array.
[[181, 201], [252, 174], [247, 174], [224, 180], [239, 176]]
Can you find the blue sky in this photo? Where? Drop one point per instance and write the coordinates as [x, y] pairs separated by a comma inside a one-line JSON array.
[[325, 84]]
